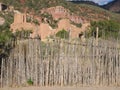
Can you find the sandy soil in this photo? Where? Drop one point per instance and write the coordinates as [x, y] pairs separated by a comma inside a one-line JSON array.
[[62, 88]]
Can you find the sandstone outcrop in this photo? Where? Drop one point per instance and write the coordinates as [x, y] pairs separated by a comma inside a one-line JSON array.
[[44, 30], [20, 23], [59, 12]]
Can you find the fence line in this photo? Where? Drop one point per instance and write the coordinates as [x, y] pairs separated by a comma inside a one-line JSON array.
[[62, 63]]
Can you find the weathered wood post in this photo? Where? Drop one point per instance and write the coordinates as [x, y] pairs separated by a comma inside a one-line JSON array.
[[97, 33]]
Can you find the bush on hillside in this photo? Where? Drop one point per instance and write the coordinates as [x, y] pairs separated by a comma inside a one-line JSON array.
[[107, 29], [62, 34]]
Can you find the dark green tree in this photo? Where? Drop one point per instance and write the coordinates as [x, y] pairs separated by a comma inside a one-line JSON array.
[[107, 29], [62, 34]]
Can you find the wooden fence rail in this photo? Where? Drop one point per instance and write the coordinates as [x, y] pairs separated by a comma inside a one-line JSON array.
[[62, 63]]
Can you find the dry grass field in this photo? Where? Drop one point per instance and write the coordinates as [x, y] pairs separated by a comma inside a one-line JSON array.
[[62, 88]]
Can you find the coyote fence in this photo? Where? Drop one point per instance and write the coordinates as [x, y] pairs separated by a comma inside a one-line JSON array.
[[61, 63]]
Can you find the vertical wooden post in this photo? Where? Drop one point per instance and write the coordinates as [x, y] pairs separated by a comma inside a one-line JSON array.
[[97, 33], [2, 74]]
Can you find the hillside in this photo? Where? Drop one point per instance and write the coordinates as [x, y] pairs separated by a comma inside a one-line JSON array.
[[88, 12], [113, 6], [52, 12], [85, 2]]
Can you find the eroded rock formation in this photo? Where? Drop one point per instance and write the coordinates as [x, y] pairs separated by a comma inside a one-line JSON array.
[[44, 30], [21, 23], [59, 12]]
